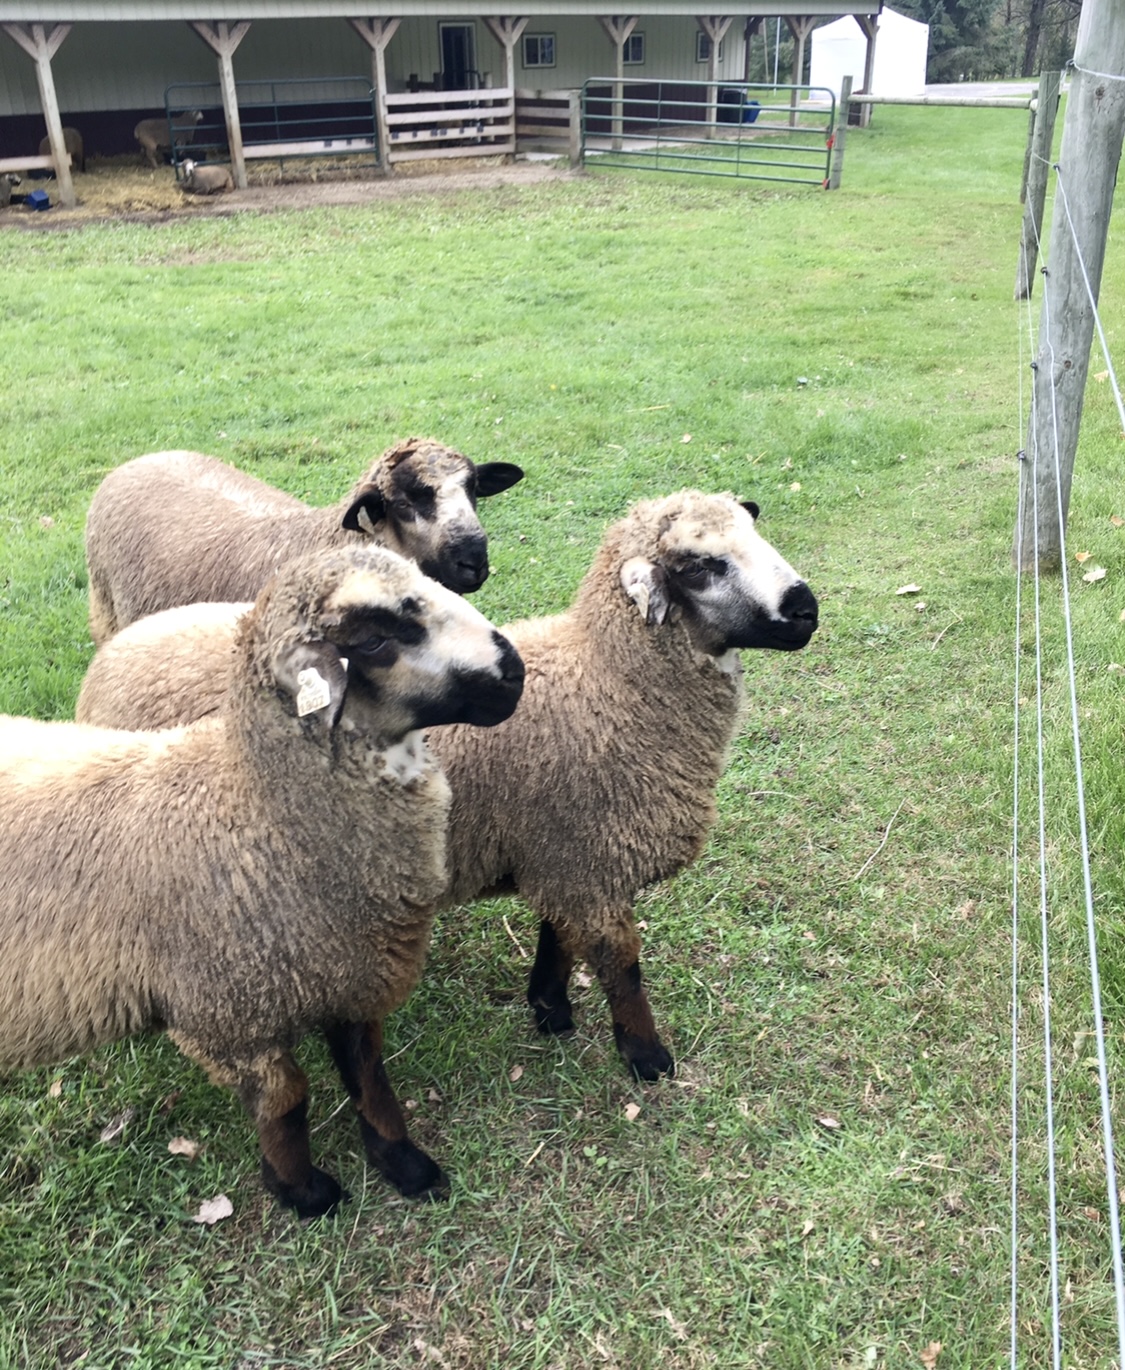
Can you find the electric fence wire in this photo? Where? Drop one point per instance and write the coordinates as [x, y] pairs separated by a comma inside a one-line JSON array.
[[1042, 375]]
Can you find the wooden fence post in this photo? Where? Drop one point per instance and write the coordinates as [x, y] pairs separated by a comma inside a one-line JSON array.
[[838, 134], [1087, 169], [1038, 159], [574, 127]]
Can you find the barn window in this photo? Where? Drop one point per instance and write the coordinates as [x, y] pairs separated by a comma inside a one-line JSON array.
[[539, 50], [703, 48], [634, 52]]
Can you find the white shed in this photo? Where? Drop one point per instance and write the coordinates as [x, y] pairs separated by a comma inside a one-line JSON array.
[[839, 49]]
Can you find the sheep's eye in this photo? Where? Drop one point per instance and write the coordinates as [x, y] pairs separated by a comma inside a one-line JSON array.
[[375, 649], [697, 572]]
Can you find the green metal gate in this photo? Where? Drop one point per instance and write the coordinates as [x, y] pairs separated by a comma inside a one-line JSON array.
[[767, 133]]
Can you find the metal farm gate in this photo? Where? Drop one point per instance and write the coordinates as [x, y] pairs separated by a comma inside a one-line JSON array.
[[767, 133], [329, 116]]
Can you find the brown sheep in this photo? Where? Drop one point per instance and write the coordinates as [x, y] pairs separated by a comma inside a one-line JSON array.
[[73, 142], [205, 180], [156, 135], [604, 779], [178, 527], [251, 877]]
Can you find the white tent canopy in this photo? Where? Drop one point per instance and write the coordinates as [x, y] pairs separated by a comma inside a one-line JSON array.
[[839, 49]]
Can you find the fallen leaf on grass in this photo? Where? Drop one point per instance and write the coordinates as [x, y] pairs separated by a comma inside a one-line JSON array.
[[515, 1073], [832, 1124], [795, 486], [686, 438], [929, 1354], [1096, 573], [1101, 376], [212, 1211], [184, 1146], [1083, 556], [632, 1112], [116, 1126], [909, 590], [678, 1328], [54, 1090], [1117, 522], [46, 521]]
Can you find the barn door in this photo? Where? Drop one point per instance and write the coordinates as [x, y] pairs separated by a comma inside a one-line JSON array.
[[458, 57]]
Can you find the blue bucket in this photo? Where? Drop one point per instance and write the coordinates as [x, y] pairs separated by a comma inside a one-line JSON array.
[[37, 199]]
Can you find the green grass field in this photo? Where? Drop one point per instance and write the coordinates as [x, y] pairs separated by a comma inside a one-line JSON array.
[[825, 1183]]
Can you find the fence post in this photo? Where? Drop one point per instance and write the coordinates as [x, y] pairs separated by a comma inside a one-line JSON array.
[[574, 127], [842, 110], [1038, 157], [1088, 158]]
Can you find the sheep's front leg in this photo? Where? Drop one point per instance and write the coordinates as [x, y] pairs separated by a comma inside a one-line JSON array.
[[550, 975], [357, 1049], [275, 1092], [616, 961]]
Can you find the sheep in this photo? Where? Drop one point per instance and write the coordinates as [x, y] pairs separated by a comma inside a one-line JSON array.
[[604, 780], [177, 527], [250, 877], [205, 180], [157, 135], [8, 182], [72, 140]]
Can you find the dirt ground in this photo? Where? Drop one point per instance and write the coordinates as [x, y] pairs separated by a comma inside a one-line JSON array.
[[118, 188]]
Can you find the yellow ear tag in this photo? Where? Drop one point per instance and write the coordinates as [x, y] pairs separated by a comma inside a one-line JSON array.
[[313, 692]]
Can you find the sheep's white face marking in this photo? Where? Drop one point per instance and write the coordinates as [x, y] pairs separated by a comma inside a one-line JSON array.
[[407, 760], [732, 587]]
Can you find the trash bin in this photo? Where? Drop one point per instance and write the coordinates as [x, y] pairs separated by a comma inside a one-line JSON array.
[[38, 199], [750, 111]]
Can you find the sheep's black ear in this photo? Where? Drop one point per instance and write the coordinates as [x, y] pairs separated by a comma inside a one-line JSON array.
[[494, 476], [366, 511], [751, 508], [646, 585], [315, 677]]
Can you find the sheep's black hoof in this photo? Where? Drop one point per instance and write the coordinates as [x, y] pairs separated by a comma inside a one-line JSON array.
[[647, 1060], [556, 1018], [404, 1165], [312, 1200]]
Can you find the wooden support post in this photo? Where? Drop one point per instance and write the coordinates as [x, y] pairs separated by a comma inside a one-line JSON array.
[[1038, 162], [715, 27], [870, 26], [836, 169], [223, 39], [1087, 169], [753, 26], [41, 43], [507, 31], [800, 26], [574, 127], [377, 34], [618, 29]]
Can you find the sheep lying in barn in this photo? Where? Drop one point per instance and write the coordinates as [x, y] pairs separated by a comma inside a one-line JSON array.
[[604, 780], [256, 875], [8, 182], [205, 180], [72, 140], [155, 138], [178, 527]]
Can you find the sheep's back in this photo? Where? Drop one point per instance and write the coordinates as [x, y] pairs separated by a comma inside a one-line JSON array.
[[175, 528]]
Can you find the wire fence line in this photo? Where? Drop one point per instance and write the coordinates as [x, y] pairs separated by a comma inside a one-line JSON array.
[[1044, 447]]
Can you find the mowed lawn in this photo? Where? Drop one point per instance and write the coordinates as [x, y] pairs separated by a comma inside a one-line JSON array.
[[825, 1182]]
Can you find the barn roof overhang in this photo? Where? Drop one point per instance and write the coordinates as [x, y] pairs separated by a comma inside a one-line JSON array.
[[101, 11]]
